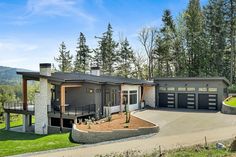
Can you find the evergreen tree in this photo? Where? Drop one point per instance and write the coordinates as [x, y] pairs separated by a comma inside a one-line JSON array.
[[194, 38], [64, 59], [165, 46], [230, 18], [215, 34], [83, 56], [106, 52], [125, 58], [180, 61]]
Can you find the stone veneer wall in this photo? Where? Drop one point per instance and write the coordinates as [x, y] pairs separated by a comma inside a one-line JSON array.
[[89, 137], [228, 109]]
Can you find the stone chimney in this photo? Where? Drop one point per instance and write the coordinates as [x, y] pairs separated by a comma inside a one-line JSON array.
[[95, 71], [43, 100], [45, 69]]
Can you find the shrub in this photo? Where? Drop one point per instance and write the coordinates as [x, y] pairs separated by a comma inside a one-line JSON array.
[[232, 88]]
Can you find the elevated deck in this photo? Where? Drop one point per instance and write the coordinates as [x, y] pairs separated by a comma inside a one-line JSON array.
[[18, 108], [70, 113], [75, 112]]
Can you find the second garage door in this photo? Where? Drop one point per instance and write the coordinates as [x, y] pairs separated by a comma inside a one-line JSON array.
[[167, 100], [207, 101], [186, 100]]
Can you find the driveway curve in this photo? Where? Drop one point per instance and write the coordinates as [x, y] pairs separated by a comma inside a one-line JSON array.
[[177, 128]]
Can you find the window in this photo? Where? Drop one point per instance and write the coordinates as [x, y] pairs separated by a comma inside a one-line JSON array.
[[113, 97], [125, 97], [162, 88], [181, 89], [212, 89], [191, 89], [133, 97], [171, 88], [202, 89]]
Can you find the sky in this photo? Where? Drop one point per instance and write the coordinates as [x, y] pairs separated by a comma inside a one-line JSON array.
[[32, 30]]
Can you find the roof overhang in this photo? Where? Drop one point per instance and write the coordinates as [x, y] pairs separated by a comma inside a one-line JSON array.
[[226, 81]]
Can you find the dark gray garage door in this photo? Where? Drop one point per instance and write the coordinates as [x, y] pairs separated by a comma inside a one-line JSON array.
[[167, 100], [207, 101], [186, 100]]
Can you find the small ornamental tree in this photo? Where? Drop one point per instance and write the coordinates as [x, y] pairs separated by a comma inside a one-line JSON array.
[[127, 113]]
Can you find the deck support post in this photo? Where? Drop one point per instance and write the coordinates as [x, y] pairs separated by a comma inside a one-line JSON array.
[[24, 93], [75, 120], [30, 120], [7, 120], [25, 122]]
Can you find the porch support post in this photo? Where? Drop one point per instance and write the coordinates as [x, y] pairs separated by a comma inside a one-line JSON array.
[[7, 120], [62, 99], [121, 98], [62, 106], [25, 122], [24, 93], [30, 120]]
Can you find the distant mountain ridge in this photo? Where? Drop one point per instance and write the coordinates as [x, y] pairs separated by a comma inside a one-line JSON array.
[[8, 75]]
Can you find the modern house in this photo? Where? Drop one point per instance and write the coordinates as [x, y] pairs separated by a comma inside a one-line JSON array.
[[64, 98]]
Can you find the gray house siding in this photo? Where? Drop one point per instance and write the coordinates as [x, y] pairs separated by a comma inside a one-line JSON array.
[[85, 95]]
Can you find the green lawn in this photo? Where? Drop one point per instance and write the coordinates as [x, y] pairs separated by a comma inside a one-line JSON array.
[[231, 101], [12, 143]]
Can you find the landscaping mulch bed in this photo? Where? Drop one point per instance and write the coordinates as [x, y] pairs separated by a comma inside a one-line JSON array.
[[117, 122]]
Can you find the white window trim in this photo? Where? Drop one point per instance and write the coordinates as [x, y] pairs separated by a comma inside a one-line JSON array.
[[128, 94]]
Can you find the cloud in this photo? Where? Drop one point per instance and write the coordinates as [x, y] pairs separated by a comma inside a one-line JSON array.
[[57, 8]]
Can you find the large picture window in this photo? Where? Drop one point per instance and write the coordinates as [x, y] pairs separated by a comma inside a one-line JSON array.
[[133, 97], [125, 97]]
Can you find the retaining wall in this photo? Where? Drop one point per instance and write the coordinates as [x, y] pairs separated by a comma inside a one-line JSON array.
[[228, 109], [89, 137]]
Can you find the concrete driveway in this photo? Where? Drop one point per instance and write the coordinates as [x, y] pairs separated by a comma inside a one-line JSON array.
[[175, 122], [177, 128]]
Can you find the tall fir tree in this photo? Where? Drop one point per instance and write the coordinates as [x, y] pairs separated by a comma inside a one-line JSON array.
[[82, 58], [125, 59], [165, 46], [106, 52], [230, 19], [64, 59], [215, 34], [180, 61], [194, 38]]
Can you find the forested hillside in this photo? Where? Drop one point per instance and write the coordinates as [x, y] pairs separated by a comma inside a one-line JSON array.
[[8, 75]]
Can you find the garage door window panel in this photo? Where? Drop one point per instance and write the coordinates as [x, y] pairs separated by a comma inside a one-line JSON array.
[[171, 89], [202, 89], [212, 89], [162, 88], [191, 89], [182, 89]]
